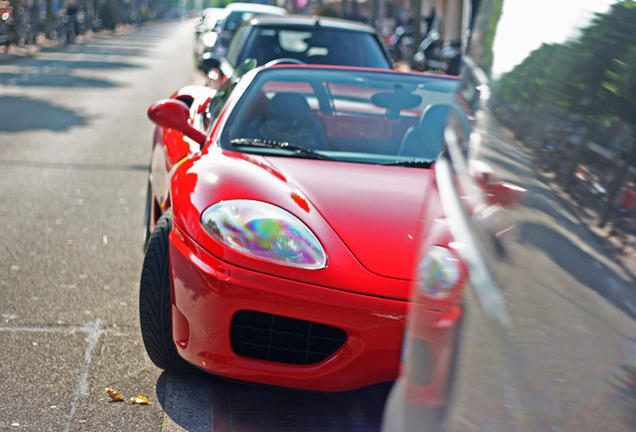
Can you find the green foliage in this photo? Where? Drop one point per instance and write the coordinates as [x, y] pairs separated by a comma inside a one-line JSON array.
[[490, 12], [213, 3], [592, 76], [620, 84], [534, 83]]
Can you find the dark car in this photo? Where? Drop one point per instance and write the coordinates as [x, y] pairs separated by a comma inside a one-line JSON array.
[[233, 15], [206, 31], [299, 39]]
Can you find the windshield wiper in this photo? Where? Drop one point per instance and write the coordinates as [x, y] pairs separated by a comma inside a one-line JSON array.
[[257, 142], [416, 163]]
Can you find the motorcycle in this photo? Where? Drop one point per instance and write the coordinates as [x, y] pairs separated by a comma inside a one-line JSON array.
[[624, 228], [6, 31], [435, 55], [400, 43]]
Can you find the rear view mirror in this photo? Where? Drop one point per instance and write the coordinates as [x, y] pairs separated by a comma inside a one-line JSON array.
[[174, 114]]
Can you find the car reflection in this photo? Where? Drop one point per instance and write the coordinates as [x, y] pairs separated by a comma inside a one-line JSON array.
[[546, 340]]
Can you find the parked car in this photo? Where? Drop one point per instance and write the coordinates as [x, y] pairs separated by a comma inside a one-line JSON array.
[[235, 14], [208, 19], [300, 39], [284, 209], [206, 31]]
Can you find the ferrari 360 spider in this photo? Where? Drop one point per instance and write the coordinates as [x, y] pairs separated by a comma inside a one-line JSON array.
[[284, 212]]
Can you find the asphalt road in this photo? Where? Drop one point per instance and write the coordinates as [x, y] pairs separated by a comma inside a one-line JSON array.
[[74, 152]]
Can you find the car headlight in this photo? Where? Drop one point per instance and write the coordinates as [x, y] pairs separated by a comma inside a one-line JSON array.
[[264, 231], [438, 273]]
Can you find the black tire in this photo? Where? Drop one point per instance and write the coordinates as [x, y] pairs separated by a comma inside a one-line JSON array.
[[154, 301], [149, 204]]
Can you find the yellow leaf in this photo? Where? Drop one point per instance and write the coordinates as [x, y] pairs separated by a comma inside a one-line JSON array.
[[140, 400], [114, 395]]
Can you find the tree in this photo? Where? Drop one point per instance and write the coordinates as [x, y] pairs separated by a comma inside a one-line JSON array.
[[604, 75], [484, 33], [592, 77], [620, 85]]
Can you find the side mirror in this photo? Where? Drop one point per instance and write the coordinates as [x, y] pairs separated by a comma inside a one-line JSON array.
[[210, 61], [174, 114], [247, 65]]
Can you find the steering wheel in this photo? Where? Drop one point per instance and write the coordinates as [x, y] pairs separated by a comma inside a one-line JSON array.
[[284, 60]]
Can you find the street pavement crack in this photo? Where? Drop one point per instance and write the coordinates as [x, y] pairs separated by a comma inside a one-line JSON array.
[[94, 332]]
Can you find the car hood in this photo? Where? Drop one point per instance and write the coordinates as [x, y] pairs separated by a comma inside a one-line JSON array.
[[374, 210]]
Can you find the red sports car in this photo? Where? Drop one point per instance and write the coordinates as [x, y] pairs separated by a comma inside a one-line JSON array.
[[284, 212]]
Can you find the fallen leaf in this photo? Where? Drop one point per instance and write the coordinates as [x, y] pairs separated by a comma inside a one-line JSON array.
[[139, 400], [114, 395]]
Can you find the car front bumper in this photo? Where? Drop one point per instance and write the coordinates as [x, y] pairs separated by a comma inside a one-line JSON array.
[[212, 298]]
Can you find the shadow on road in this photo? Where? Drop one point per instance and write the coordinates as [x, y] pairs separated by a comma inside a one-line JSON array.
[[237, 406], [62, 77], [74, 166], [14, 112], [118, 50], [102, 65], [509, 165], [578, 263]]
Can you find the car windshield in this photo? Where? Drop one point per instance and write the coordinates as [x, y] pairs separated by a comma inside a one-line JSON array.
[[234, 19], [315, 45], [352, 115]]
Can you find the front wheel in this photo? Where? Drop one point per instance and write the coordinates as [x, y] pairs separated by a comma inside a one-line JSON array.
[[154, 301], [148, 213]]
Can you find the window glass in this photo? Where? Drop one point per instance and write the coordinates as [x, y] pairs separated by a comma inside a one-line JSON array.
[[362, 117], [235, 19], [234, 50], [218, 101], [293, 41], [315, 46]]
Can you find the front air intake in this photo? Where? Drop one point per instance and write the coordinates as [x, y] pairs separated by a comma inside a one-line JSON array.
[[281, 339]]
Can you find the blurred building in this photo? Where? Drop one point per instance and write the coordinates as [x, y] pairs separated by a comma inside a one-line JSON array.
[[454, 16]]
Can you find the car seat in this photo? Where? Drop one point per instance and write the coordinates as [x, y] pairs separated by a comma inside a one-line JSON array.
[[289, 118], [425, 140]]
